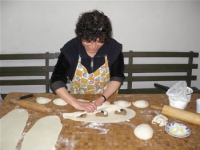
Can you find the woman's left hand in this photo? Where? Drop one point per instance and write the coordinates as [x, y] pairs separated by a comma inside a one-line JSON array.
[[99, 101]]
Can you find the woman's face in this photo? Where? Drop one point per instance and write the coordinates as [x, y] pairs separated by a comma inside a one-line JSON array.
[[92, 47]]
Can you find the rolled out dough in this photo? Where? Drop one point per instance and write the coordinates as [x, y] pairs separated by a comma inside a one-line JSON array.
[[43, 135], [11, 128], [112, 117]]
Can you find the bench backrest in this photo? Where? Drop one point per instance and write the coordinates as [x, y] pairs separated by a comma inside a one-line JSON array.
[[26, 69], [39, 74], [156, 67]]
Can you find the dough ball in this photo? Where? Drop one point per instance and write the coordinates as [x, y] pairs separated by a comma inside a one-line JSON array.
[[141, 104], [143, 132], [59, 102], [122, 103], [42, 100]]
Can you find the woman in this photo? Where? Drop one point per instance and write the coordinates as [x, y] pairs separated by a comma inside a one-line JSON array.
[[92, 61]]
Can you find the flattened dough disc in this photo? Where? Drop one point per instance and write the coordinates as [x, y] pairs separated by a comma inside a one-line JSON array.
[[59, 102], [12, 126], [43, 135], [43, 100], [141, 103]]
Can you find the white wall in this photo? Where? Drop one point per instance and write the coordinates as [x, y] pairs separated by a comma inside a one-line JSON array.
[[45, 25]]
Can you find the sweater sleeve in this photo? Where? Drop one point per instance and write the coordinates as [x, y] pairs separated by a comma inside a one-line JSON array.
[[59, 75], [117, 69]]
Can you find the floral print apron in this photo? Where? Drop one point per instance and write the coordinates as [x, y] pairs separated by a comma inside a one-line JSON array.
[[90, 83]]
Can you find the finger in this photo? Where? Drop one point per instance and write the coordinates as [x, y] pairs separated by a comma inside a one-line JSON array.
[[94, 106], [91, 107]]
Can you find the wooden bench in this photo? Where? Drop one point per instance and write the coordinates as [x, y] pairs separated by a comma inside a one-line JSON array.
[[23, 70], [158, 67], [30, 72]]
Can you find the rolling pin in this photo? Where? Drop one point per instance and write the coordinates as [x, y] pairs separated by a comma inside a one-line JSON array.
[[32, 105], [178, 114]]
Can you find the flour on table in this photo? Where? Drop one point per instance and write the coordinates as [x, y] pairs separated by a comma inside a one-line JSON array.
[[160, 119], [59, 102], [111, 118], [141, 103], [143, 132], [12, 126], [43, 135], [122, 103], [42, 100]]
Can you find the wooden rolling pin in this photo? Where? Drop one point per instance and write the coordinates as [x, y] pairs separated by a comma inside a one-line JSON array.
[[32, 105], [178, 114]]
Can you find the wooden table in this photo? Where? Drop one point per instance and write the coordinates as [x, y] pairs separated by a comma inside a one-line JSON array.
[[112, 136]]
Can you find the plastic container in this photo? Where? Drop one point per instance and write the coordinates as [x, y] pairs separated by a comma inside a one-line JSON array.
[[177, 103], [180, 104]]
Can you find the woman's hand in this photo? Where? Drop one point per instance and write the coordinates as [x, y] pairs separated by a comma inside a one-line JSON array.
[[88, 107], [66, 96], [99, 101]]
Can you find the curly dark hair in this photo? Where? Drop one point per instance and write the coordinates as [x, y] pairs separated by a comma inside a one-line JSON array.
[[92, 25]]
